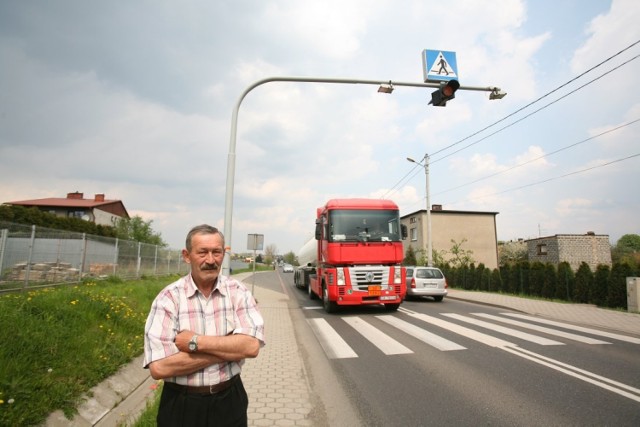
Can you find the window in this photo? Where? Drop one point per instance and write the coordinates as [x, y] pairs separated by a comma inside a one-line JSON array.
[[413, 220], [414, 234], [542, 249], [362, 225]]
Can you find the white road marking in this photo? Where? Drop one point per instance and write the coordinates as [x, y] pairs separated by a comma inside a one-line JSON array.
[[549, 331], [384, 342], [576, 328], [507, 331], [334, 346], [597, 380], [421, 334], [461, 330]]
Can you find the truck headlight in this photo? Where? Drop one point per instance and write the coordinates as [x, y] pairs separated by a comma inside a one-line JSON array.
[[397, 275], [340, 277]]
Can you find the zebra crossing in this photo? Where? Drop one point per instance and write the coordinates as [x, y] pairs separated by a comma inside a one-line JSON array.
[[430, 330]]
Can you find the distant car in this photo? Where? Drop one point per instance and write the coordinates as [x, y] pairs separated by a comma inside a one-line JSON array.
[[427, 282], [287, 268]]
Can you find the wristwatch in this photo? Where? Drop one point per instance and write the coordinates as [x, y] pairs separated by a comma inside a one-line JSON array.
[[193, 343]]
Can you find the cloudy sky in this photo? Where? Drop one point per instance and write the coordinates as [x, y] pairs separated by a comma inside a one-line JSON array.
[[134, 99]]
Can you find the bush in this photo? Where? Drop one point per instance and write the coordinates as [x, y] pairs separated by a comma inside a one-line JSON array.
[[584, 281], [617, 289], [600, 284]]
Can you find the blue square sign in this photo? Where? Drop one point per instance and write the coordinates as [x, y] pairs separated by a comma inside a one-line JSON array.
[[439, 65]]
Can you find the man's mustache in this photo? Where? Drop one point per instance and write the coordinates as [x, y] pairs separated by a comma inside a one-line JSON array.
[[207, 266]]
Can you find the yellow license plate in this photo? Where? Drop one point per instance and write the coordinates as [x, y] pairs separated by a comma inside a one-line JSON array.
[[374, 291]]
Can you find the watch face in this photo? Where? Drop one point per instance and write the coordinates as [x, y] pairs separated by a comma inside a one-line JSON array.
[[192, 346]]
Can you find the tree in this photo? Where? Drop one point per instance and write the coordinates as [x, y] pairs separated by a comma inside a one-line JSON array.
[[290, 258], [536, 278], [495, 285], [584, 282], [439, 258], [410, 257], [461, 257], [617, 289], [139, 230], [511, 252], [566, 282], [600, 285], [550, 281], [270, 254], [627, 250]]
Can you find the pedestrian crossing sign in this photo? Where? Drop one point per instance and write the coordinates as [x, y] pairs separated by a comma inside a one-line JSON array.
[[439, 66]]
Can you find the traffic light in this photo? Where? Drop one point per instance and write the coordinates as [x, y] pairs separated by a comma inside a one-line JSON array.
[[445, 93]]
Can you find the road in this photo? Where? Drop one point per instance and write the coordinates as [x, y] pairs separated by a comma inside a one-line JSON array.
[[459, 363]]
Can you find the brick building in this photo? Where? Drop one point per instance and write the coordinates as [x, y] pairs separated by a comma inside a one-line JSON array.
[[594, 249]]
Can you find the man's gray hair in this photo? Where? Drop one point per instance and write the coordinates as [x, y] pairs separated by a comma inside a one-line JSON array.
[[202, 229]]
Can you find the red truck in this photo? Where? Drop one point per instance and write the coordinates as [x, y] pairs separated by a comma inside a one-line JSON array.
[[356, 255]]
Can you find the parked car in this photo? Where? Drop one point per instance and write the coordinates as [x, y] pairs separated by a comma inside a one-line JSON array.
[[287, 268], [426, 281]]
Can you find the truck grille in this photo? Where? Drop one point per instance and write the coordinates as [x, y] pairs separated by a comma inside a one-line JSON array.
[[363, 277]]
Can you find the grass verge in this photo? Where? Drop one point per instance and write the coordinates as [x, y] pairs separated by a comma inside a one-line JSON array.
[[58, 343]]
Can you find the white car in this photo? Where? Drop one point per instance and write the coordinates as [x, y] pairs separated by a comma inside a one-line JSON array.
[[426, 281], [287, 268]]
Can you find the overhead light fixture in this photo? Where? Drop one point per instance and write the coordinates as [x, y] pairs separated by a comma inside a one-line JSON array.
[[497, 93], [386, 87]]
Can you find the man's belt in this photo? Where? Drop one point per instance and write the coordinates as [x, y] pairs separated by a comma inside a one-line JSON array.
[[205, 389]]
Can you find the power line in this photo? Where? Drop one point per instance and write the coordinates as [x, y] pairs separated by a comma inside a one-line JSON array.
[[415, 172], [544, 96], [543, 156], [533, 112], [555, 178]]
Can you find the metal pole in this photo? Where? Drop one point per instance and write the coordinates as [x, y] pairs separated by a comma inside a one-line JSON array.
[[429, 246], [231, 158], [30, 258]]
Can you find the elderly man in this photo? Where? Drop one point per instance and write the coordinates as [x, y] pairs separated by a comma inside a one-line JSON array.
[[198, 333]]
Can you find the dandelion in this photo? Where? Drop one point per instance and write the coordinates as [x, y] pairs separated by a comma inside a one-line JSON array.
[[10, 401], [49, 370], [1, 402]]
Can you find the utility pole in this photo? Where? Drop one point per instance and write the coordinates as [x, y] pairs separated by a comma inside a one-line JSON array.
[[425, 164]]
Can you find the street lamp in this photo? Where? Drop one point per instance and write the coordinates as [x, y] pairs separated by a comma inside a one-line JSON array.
[[425, 163], [231, 157], [385, 87]]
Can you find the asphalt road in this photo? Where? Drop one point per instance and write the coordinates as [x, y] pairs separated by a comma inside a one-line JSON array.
[[459, 363]]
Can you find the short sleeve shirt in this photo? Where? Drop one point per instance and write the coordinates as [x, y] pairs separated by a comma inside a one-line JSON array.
[[230, 309]]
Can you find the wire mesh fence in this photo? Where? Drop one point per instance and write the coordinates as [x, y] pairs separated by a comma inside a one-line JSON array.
[[33, 256]]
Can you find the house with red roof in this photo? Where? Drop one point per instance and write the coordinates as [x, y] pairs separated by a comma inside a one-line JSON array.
[[98, 210]]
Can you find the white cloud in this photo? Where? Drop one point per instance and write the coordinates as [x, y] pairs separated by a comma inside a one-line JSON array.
[[137, 103]]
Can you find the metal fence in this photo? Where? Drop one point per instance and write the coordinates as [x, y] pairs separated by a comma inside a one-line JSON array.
[[33, 256]]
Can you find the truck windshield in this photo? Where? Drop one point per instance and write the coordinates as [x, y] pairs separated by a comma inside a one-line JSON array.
[[364, 226]]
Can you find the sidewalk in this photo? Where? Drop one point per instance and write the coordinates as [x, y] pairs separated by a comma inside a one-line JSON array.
[[276, 381]]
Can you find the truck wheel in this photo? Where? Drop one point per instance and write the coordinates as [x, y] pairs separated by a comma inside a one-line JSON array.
[[329, 306], [392, 307], [312, 296]]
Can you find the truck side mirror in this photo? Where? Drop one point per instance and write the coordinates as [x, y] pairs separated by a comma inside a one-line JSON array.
[[403, 229], [318, 229]]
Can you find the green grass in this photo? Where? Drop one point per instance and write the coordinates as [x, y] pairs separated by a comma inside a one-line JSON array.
[[59, 342], [148, 417]]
